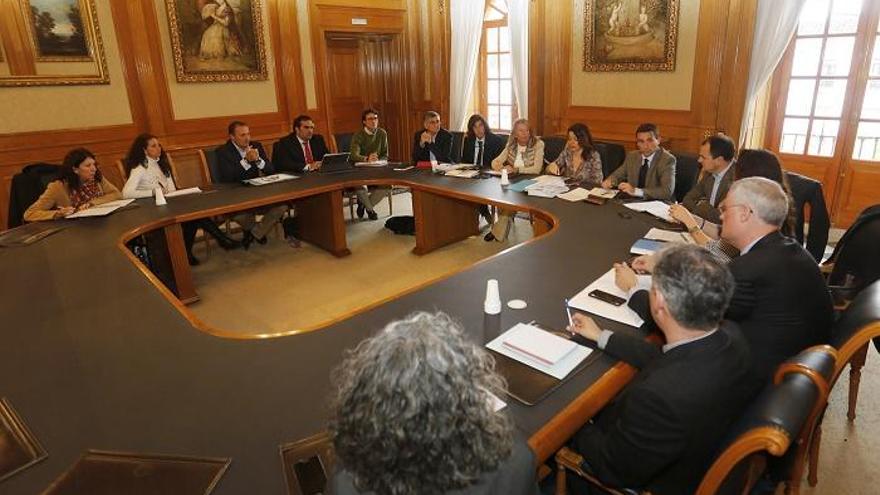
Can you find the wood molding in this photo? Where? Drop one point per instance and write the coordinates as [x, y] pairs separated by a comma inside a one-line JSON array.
[[15, 39]]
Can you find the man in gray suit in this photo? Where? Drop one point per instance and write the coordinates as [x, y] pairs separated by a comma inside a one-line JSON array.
[[716, 158], [647, 173]]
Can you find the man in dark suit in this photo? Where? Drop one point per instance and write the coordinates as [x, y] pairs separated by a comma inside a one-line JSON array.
[[241, 159], [648, 172], [433, 142], [716, 159], [300, 151], [661, 432], [481, 146]]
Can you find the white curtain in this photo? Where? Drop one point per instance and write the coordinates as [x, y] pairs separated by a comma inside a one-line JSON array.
[[518, 22], [776, 23], [467, 27]]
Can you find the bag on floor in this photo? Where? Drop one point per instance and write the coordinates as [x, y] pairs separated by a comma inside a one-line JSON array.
[[403, 225]]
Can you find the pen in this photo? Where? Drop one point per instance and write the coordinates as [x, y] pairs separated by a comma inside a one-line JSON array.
[[568, 312]]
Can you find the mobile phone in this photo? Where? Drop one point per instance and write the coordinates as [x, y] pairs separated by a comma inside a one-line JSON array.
[[607, 297]]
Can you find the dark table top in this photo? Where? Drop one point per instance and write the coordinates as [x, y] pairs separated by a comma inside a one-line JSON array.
[[93, 356]]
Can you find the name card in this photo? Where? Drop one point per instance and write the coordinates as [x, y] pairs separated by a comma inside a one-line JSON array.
[[358, 21]]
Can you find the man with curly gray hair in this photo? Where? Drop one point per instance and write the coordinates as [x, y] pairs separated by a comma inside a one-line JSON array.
[[413, 412]]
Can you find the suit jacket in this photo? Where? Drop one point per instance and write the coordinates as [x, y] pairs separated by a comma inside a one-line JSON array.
[[288, 155], [493, 145], [697, 199], [661, 433], [660, 180], [514, 476], [229, 161], [442, 147], [781, 302]]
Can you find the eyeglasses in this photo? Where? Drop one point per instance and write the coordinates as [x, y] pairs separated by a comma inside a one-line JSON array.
[[723, 208]]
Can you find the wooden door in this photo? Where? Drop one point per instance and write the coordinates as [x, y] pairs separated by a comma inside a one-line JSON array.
[[345, 71], [385, 90]]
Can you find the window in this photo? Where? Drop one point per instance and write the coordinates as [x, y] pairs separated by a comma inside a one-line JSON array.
[[496, 80], [867, 145]]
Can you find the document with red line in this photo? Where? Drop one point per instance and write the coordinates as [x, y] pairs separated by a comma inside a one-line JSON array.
[[540, 349]]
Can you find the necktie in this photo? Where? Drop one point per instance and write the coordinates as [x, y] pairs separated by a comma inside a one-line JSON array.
[[479, 160], [643, 173], [309, 158], [714, 195]]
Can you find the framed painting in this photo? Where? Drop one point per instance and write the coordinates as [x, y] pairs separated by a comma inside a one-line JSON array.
[[630, 35], [62, 30], [217, 40]]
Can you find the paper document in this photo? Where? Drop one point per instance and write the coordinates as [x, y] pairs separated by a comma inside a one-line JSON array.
[[497, 404], [657, 208], [552, 179], [270, 179], [622, 314], [183, 192], [465, 174], [603, 193], [530, 345], [669, 236], [576, 194], [102, 209], [446, 167], [377, 163], [521, 185], [547, 186], [647, 246]]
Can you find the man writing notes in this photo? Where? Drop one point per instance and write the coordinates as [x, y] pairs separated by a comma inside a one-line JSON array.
[[300, 151], [241, 159], [660, 434], [370, 144], [433, 142], [648, 172], [716, 158]]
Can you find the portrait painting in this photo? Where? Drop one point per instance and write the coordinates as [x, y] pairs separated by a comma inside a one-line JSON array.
[[217, 40], [61, 29], [630, 35]]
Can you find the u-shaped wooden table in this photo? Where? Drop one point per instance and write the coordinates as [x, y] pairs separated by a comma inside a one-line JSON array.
[[97, 353]]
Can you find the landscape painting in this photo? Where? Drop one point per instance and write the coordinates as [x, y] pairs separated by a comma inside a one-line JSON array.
[[61, 28], [630, 35]]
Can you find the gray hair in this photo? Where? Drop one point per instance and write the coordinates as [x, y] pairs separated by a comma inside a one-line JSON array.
[[412, 411], [430, 114], [696, 287], [765, 197]]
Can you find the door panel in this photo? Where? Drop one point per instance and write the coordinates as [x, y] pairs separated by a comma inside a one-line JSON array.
[[345, 72]]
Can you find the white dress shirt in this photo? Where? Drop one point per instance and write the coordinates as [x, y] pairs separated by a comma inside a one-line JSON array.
[[260, 163], [143, 180]]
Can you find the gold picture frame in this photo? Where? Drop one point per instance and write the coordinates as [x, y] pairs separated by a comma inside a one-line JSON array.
[[630, 35], [44, 27], [217, 40]]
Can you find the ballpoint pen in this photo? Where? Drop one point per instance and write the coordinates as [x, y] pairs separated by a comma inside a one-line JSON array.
[[568, 313]]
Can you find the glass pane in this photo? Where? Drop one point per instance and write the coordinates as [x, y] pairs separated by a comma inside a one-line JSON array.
[[507, 91], [493, 92], [867, 145], [492, 66], [823, 137], [800, 97], [813, 17], [875, 57], [506, 118], [829, 98], [838, 55], [871, 104], [503, 39], [844, 16], [492, 40], [807, 53], [794, 135], [506, 66], [494, 120]]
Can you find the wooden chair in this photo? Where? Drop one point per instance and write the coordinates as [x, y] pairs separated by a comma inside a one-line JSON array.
[[687, 171], [308, 464]]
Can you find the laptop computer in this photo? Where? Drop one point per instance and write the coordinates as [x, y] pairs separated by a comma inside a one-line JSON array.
[[334, 163]]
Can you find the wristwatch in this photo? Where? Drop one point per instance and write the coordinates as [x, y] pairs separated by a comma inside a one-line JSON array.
[[694, 229]]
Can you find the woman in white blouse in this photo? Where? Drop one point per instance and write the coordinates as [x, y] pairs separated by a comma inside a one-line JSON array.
[[523, 154], [148, 168]]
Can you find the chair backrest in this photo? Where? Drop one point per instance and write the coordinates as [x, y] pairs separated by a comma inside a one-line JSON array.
[[687, 169], [26, 187], [343, 142], [189, 170], [553, 146], [120, 169], [807, 191], [504, 137], [308, 464], [857, 325], [211, 164], [856, 263], [612, 155], [457, 146], [781, 415]]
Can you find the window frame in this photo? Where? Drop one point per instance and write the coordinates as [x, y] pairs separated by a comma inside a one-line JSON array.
[[483, 71]]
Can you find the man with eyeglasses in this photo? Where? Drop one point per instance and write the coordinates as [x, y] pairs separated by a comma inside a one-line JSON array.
[[370, 144], [433, 142]]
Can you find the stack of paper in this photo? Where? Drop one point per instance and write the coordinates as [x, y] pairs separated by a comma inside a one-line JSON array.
[[603, 193], [647, 246], [101, 209], [183, 192], [446, 167], [669, 236], [465, 174], [270, 179], [540, 349], [377, 163], [605, 283], [576, 194], [657, 208], [547, 186]]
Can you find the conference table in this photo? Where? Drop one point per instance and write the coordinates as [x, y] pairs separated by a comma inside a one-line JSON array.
[[98, 353]]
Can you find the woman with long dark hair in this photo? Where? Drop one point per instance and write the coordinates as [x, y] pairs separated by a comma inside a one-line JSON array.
[[80, 186], [149, 168], [579, 160]]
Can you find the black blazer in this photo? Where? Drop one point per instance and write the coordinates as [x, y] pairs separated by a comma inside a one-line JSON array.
[[492, 147], [661, 433], [442, 147], [229, 163], [288, 154], [515, 476]]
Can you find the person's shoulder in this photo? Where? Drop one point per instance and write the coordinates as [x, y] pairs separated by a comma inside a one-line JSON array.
[[665, 155], [56, 186]]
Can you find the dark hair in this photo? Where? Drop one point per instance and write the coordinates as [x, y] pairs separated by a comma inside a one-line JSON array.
[[368, 112], [472, 121], [696, 287], [721, 145], [71, 161], [649, 127], [299, 120], [765, 163], [584, 138], [137, 157], [234, 125]]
